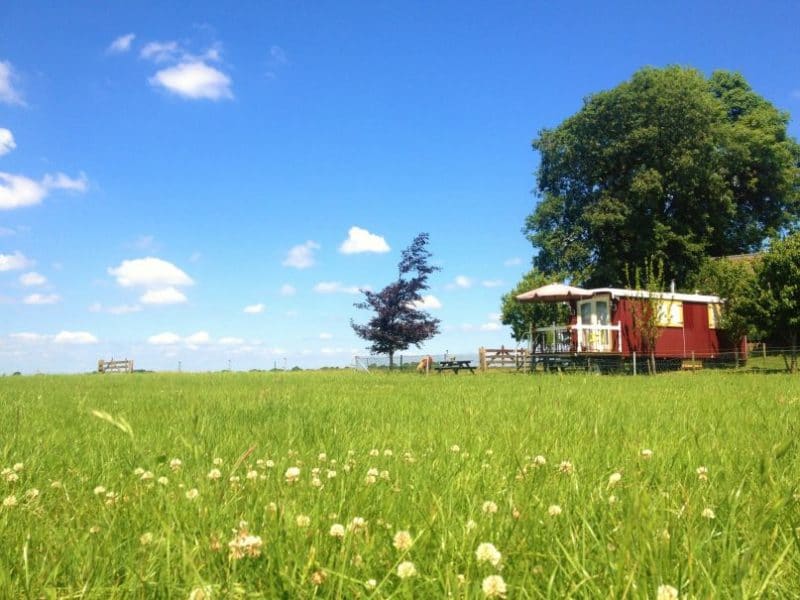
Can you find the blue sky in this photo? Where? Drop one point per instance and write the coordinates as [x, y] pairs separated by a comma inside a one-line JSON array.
[[179, 181]]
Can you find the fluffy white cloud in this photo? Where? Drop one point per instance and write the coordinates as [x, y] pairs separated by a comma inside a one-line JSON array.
[[325, 336], [429, 302], [200, 337], [31, 279], [360, 240], [14, 262], [230, 341], [336, 287], [288, 290], [122, 309], [462, 281], [17, 191], [149, 272], [167, 295], [7, 143], [301, 256], [160, 51], [254, 309], [121, 44], [490, 326], [74, 337], [41, 299], [8, 93], [195, 81], [492, 283], [164, 339]]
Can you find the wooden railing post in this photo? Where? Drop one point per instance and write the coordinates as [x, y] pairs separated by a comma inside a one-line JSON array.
[[482, 358]]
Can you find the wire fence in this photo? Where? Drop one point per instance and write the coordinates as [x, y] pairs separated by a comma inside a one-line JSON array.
[[759, 359]]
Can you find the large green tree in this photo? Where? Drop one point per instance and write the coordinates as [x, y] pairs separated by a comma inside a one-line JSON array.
[[670, 165]]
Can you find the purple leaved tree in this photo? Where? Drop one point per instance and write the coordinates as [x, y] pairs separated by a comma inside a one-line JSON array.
[[399, 321]]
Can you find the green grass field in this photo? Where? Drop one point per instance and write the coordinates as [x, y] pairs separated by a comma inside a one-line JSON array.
[[586, 486]]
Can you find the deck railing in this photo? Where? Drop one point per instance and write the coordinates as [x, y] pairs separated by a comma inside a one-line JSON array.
[[586, 338]]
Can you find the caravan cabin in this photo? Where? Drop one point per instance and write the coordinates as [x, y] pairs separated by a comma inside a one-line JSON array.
[[602, 322]]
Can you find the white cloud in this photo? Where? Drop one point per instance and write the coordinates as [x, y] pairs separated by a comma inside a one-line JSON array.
[[14, 262], [7, 143], [32, 278], [492, 283], [41, 299], [230, 341], [8, 93], [29, 337], [429, 302], [164, 339], [495, 316], [463, 282], [288, 290], [200, 337], [195, 81], [149, 272], [254, 309], [121, 44], [360, 240], [17, 191], [160, 51], [301, 256], [490, 326], [75, 337], [325, 336], [336, 287], [167, 295]]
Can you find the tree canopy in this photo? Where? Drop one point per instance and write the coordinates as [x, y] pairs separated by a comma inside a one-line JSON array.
[[520, 316], [399, 321], [669, 165]]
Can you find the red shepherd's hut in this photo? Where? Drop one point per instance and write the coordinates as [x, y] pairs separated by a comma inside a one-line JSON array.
[[602, 322]]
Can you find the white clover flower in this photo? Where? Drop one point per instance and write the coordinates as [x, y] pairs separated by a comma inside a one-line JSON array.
[[470, 525], [270, 464], [234, 479], [302, 521], [702, 473], [146, 538], [138, 471], [322, 457], [244, 544], [489, 508], [370, 584], [330, 473], [10, 501], [251, 475], [337, 530], [163, 480], [384, 475], [217, 462], [539, 460], [12, 477], [486, 552], [666, 592], [175, 464], [31, 495], [374, 452], [146, 476], [357, 524], [192, 494], [402, 540], [554, 510], [214, 474], [612, 499], [56, 485], [566, 467], [493, 586], [388, 452], [614, 479], [292, 474], [18, 467], [316, 482], [272, 507], [647, 454], [99, 490], [406, 569], [455, 448], [708, 513]]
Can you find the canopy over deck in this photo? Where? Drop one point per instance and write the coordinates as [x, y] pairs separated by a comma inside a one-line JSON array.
[[554, 292]]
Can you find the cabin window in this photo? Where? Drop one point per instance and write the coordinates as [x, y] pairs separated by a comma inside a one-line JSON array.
[[714, 315], [586, 313], [670, 313], [601, 312]]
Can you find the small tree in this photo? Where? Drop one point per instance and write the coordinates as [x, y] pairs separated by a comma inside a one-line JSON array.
[[520, 315], [778, 289], [399, 321], [645, 309]]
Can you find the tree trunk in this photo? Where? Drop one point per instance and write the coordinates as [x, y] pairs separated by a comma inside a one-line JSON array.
[[652, 363], [391, 360]]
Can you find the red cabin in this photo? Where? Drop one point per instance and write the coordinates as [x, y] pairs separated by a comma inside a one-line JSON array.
[[602, 322]]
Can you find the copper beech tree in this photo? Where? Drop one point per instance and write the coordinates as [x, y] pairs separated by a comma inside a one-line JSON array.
[[399, 321]]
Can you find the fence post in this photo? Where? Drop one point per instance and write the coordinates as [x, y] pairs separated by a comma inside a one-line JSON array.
[[401, 362], [482, 358], [634, 362]]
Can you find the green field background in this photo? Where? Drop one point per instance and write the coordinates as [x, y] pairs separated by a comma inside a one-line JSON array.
[[444, 445]]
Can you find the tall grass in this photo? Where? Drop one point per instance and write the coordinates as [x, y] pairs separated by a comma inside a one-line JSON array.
[[443, 449]]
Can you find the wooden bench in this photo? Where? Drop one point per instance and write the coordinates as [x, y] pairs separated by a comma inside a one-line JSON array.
[[455, 366]]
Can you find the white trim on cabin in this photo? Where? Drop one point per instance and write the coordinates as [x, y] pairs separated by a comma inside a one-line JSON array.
[[624, 293]]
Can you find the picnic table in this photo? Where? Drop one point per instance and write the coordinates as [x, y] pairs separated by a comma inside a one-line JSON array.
[[455, 366]]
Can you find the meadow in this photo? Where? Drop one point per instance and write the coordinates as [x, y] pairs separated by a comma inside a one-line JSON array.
[[356, 485]]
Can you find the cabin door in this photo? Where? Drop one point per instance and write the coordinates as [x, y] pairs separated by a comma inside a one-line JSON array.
[[593, 319]]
